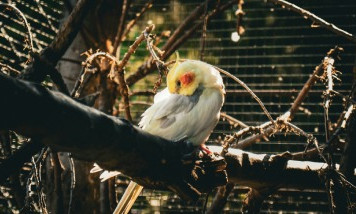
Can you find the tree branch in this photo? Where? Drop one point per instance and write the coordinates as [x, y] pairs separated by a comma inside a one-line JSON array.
[[316, 19], [65, 125], [120, 28], [124, 147], [131, 23], [289, 115], [179, 36], [57, 48]]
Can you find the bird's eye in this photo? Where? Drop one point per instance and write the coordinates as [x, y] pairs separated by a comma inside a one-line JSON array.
[[178, 83]]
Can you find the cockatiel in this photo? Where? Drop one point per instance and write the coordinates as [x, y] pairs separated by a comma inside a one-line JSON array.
[[189, 109]]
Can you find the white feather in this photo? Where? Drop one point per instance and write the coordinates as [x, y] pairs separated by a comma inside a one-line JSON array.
[[196, 124], [175, 117]]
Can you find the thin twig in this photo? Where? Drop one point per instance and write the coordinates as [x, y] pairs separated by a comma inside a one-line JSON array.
[[131, 23], [36, 174], [311, 139], [118, 71], [86, 67], [236, 122], [78, 83], [27, 26], [243, 85], [159, 64], [289, 115], [203, 34], [180, 40], [229, 140], [118, 35], [249, 91], [90, 59], [193, 16], [176, 39], [233, 120], [316, 19], [130, 51]]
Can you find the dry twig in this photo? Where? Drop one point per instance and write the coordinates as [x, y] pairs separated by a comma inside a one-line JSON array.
[[249, 91], [162, 69], [120, 28], [289, 115], [176, 39], [27, 26], [203, 34], [233, 120], [118, 71], [131, 23], [316, 19]]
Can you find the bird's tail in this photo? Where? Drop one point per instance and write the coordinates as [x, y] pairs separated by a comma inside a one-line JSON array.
[[129, 198]]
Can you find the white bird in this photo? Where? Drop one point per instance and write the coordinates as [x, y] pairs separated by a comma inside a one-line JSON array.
[[189, 108]]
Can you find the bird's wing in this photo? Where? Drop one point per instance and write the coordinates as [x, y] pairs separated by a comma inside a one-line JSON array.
[[174, 116]]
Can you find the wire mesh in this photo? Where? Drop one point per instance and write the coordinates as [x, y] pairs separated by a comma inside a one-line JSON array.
[[275, 57]]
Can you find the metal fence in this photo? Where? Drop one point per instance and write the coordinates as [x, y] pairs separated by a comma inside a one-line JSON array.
[[275, 56]]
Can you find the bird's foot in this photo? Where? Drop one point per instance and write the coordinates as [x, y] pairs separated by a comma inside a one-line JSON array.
[[205, 153]]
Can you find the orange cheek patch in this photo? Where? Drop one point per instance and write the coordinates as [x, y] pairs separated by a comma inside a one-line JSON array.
[[187, 78]]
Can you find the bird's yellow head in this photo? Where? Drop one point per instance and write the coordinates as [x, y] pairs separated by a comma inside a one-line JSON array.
[[185, 77]]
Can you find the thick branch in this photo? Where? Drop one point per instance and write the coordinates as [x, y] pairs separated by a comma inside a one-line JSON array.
[[78, 129], [261, 170], [65, 125]]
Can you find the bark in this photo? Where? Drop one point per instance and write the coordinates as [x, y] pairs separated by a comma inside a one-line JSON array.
[[220, 199], [122, 146], [254, 200], [65, 125]]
